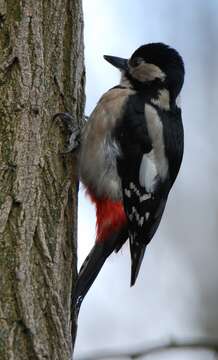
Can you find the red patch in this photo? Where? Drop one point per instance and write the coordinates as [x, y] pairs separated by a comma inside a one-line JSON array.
[[110, 216]]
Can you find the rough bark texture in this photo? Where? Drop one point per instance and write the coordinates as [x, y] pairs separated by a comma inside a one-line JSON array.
[[41, 73]]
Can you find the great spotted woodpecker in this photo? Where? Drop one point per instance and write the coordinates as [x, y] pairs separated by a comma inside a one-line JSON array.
[[130, 154]]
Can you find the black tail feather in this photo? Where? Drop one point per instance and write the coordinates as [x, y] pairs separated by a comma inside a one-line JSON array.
[[123, 236], [88, 273], [93, 264], [137, 254]]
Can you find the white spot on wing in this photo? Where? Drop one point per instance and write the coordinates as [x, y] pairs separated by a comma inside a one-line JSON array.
[[130, 216], [131, 185], [145, 197], [141, 221], [134, 188], [127, 192]]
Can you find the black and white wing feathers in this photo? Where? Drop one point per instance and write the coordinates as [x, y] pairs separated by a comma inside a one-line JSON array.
[[144, 190]]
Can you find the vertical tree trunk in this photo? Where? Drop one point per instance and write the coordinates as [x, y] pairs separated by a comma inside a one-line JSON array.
[[41, 73]]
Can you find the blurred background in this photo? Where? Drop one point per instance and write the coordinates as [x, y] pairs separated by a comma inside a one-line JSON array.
[[176, 294]]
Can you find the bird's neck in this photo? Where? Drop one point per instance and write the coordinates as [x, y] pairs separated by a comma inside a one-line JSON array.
[[125, 81], [155, 91]]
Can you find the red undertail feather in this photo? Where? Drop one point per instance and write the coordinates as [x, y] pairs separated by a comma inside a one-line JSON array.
[[110, 216]]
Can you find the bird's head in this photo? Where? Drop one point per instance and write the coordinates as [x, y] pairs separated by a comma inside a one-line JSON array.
[[154, 63]]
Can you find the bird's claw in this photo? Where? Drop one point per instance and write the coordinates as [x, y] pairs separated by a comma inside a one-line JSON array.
[[67, 120], [75, 132]]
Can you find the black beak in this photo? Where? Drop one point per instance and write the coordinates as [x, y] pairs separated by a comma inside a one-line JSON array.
[[118, 62]]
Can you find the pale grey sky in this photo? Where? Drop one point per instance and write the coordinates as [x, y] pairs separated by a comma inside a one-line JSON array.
[[177, 290]]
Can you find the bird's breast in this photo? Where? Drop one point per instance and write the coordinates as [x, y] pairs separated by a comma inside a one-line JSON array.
[[100, 150]]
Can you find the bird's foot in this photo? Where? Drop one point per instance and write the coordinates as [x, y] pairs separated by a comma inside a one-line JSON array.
[[74, 131]]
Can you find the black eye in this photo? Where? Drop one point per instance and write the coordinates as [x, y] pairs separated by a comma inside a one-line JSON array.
[[136, 61]]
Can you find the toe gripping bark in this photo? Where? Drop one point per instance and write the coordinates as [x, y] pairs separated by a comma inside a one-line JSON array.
[[74, 130]]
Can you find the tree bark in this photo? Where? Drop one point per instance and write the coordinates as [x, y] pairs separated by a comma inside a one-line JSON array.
[[41, 73]]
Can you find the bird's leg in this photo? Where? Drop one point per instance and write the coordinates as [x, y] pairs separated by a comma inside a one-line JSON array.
[[74, 131]]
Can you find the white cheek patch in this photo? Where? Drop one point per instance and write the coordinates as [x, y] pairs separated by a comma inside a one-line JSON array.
[[146, 72]]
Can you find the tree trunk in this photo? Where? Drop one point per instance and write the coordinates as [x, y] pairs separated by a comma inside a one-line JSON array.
[[41, 73]]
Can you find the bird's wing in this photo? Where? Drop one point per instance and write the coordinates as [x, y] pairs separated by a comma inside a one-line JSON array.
[[143, 196]]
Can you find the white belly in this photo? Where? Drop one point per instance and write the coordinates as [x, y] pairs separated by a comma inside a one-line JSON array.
[[98, 169]]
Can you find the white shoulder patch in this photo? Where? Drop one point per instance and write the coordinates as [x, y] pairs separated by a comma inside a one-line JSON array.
[[163, 100], [148, 172], [155, 131]]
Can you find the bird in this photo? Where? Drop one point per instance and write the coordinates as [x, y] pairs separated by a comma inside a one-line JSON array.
[[130, 154]]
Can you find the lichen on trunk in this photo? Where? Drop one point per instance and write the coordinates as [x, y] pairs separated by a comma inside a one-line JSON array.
[[41, 73]]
